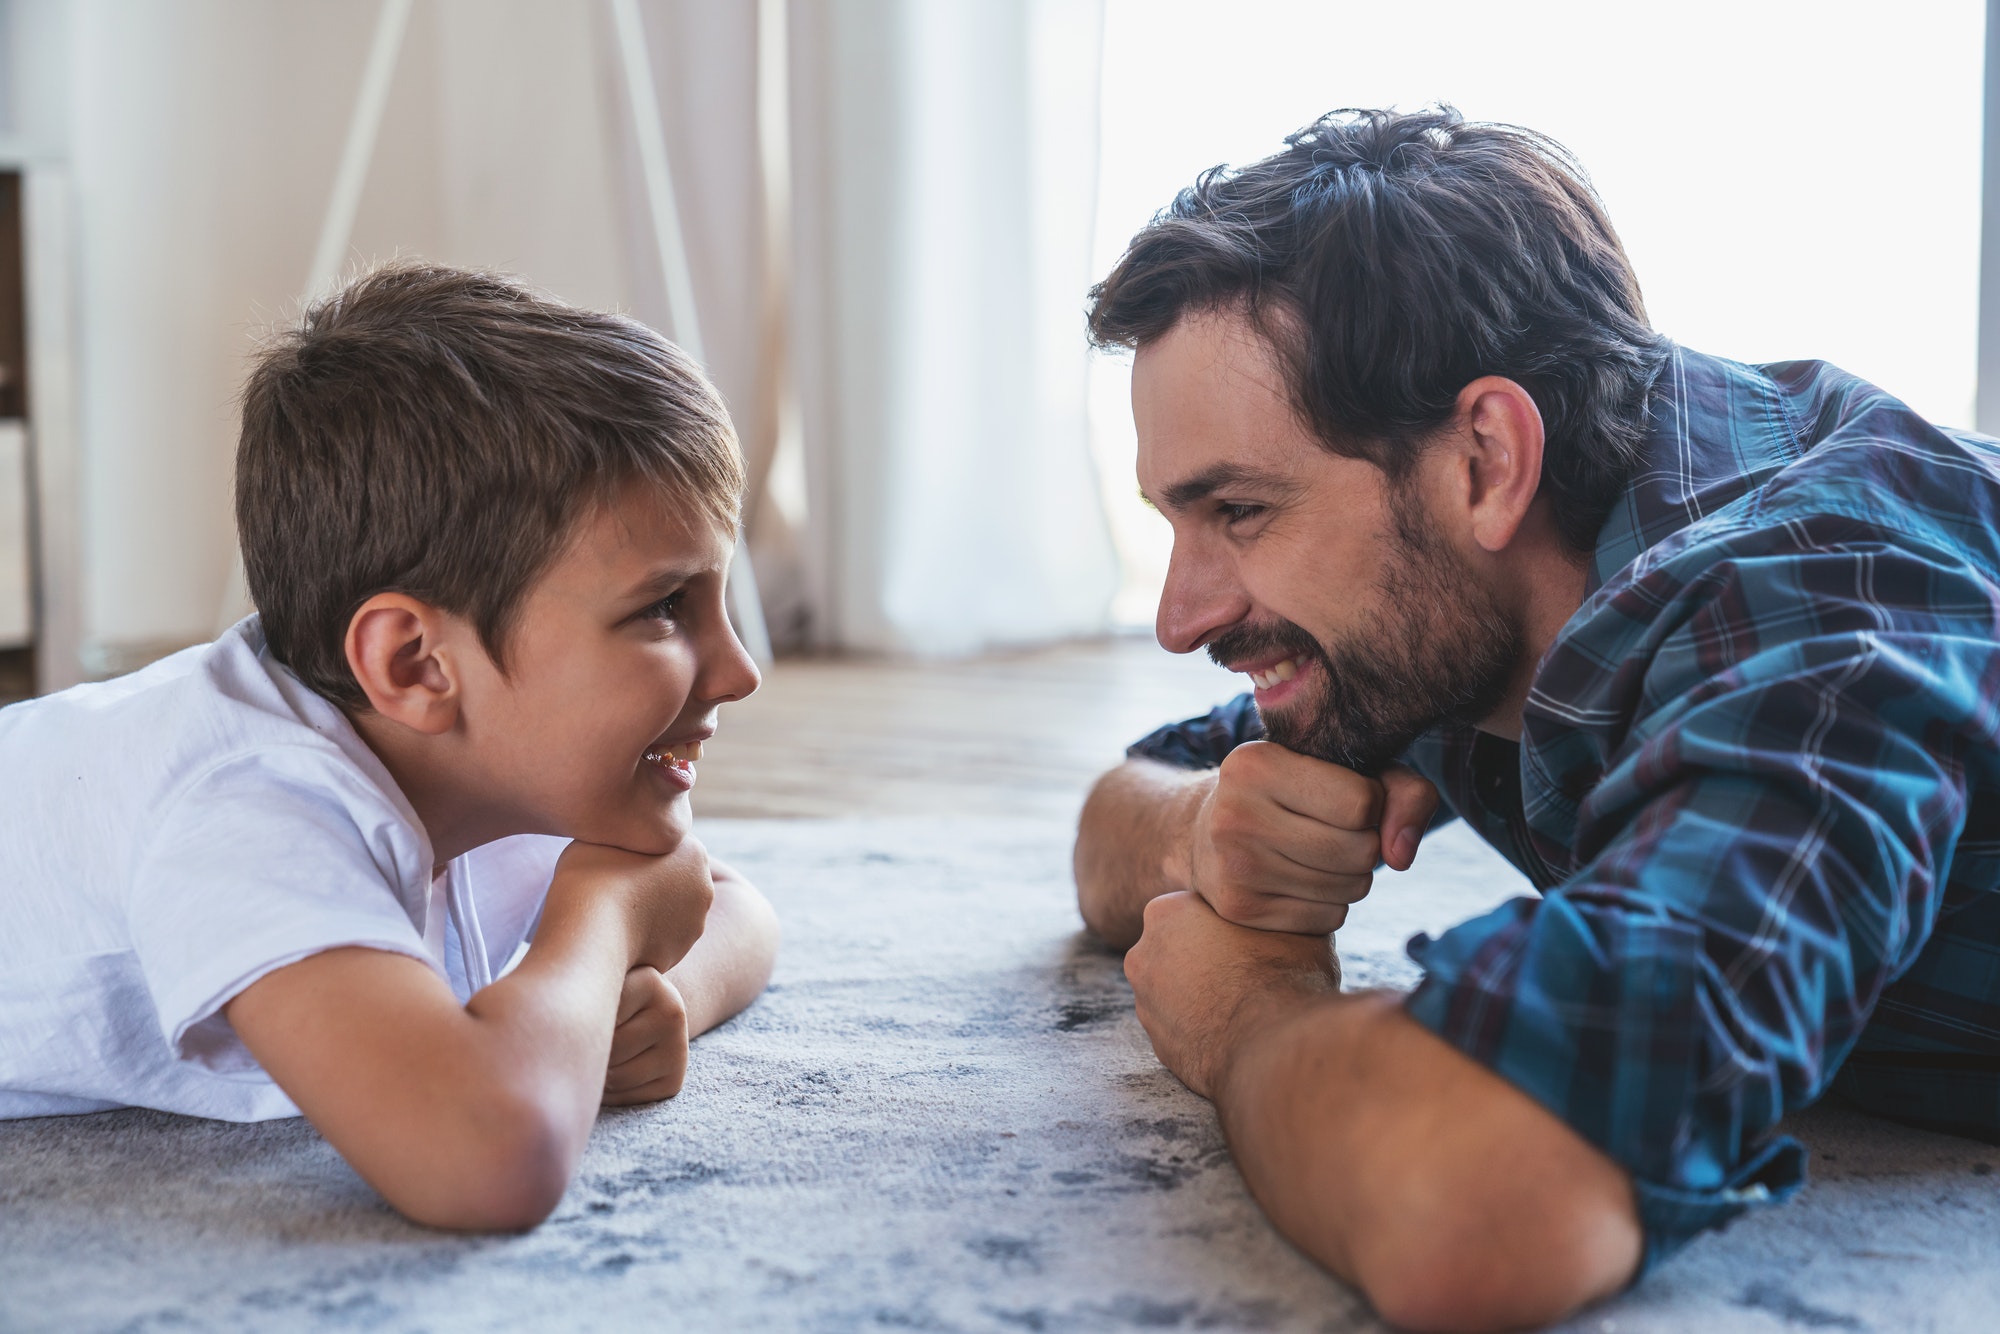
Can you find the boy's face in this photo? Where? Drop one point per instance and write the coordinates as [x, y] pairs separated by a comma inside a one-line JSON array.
[[620, 654]]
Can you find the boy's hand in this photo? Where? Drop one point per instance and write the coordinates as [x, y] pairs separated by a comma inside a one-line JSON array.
[[666, 899], [649, 1048]]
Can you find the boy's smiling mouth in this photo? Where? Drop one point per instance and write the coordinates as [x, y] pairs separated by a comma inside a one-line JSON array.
[[675, 762]]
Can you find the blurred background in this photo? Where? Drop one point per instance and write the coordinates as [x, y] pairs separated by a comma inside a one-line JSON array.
[[877, 220]]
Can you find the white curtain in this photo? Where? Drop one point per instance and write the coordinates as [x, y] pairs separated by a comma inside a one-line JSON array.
[[943, 168], [937, 204]]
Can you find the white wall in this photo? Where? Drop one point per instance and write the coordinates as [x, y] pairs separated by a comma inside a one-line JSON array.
[[203, 137]]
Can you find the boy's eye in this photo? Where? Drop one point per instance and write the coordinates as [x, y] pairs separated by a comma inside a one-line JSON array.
[[667, 608]]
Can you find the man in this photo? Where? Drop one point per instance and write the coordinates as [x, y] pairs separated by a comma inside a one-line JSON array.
[[1711, 652]]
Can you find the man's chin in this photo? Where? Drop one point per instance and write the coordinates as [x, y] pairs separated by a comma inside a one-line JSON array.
[[1302, 727]]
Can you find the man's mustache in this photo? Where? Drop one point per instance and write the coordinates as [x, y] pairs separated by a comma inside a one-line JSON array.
[[1246, 643]]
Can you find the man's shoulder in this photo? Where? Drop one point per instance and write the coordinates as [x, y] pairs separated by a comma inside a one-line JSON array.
[[1873, 533], [1883, 480]]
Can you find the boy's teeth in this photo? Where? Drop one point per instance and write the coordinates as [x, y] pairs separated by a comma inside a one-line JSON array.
[[686, 753]]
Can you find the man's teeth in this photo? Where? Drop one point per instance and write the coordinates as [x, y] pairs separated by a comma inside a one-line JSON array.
[[685, 753], [1284, 671]]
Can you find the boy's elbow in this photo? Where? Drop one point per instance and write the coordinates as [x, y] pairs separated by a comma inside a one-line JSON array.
[[1494, 1256], [507, 1172]]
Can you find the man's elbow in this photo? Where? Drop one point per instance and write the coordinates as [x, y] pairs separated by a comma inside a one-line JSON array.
[[1504, 1260], [1092, 864], [1116, 929]]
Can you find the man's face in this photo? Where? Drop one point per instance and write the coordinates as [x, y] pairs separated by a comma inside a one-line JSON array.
[[620, 654], [1341, 594]]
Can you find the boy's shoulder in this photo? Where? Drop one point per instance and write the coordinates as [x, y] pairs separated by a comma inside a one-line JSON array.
[[221, 725], [192, 711]]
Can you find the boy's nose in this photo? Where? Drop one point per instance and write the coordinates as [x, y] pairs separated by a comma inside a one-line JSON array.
[[734, 673]]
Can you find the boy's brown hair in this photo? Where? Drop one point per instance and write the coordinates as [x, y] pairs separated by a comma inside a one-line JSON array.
[[439, 432]]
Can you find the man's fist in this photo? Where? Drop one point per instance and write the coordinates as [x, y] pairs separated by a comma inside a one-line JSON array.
[[1202, 985], [1283, 842], [649, 1048], [666, 899]]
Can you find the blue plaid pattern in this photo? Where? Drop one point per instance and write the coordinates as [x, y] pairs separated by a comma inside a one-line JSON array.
[[1758, 788]]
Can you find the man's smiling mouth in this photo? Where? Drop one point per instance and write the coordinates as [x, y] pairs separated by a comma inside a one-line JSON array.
[[1275, 674]]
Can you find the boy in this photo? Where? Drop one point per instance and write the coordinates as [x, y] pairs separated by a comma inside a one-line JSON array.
[[487, 536]]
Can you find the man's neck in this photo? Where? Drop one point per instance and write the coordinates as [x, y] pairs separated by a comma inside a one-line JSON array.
[[1546, 580]]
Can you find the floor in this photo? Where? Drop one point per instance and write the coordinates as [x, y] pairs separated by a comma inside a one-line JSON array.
[[943, 1115], [1007, 734]]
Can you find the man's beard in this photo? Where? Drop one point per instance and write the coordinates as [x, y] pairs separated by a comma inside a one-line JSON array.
[[1447, 658]]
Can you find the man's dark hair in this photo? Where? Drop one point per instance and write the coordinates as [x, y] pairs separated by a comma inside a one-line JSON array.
[[1390, 260], [438, 432]]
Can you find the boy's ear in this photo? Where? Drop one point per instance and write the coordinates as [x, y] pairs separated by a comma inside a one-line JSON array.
[[399, 650]]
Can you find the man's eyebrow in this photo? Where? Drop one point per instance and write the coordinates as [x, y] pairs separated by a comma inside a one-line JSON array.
[[1218, 477]]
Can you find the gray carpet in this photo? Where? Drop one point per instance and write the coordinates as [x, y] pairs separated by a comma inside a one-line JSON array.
[[942, 1117]]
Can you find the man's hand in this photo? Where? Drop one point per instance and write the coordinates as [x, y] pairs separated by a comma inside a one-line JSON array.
[[664, 900], [649, 1048], [1201, 983], [1283, 842], [1451, 1198]]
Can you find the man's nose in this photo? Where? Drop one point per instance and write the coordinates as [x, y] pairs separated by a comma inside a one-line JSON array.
[[1200, 599]]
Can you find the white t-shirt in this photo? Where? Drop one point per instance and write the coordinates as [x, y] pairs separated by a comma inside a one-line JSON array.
[[170, 837]]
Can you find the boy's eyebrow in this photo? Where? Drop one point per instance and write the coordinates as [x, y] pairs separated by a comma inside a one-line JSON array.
[[665, 579], [1215, 478]]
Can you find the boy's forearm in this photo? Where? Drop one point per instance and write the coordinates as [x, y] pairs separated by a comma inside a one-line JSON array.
[[1451, 1198], [550, 1020], [467, 1116], [1131, 844], [730, 965]]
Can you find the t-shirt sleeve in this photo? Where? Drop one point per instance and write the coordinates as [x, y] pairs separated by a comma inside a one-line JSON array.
[[1765, 851], [262, 862], [1201, 743]]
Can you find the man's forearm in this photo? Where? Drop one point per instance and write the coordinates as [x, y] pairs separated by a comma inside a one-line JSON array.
[[1132, 844], [730, 965], [1452, 1199]]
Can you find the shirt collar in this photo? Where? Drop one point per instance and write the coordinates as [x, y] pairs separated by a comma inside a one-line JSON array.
[[1715, 430]]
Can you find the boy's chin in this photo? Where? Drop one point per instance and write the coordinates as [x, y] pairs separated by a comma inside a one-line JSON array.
[[653, 833]]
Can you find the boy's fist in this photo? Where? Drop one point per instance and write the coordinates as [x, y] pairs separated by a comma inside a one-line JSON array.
[[666, 899], [649, 1048]]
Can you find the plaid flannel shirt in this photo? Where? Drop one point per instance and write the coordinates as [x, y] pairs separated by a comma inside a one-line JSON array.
[[1758, 788]]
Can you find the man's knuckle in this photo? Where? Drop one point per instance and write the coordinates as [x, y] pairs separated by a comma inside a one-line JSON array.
[[1237, 862], [1355, 806]]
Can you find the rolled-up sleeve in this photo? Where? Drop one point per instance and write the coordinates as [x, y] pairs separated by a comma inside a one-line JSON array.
[[1764, 794], [1201, 743]]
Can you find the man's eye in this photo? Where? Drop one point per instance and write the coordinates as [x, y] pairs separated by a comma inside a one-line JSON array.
[[1237, 513]]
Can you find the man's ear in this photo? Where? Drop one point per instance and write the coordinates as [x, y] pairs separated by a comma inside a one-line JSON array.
[[1503, 442], [399, 650]]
